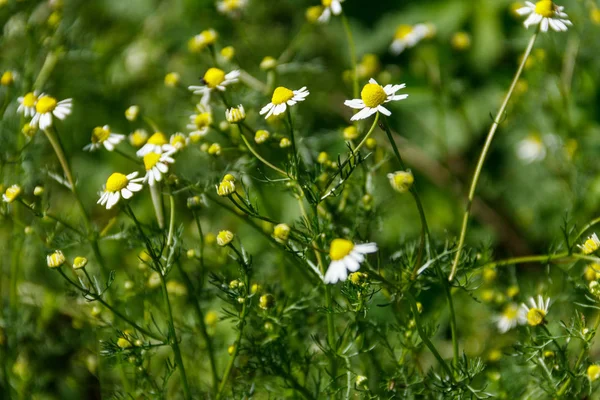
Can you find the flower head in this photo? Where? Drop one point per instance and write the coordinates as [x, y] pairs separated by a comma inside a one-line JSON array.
[[102, 136], [313, 13], [281, 233], [11, 194], [178, 141], [27, 104], [407, 36], [593, 372], [401, 181], [117, 186], [172, 79], [7, 78], [202, 40], [511, 316], [372, 98], [132, 113], [590, 245], [282, 98], [330, 7], [157, 143], [261, 136], [214, 79], [55, 259], [546, 14], [79, 262], [235, 115], [227, 186], [531, 149], [231, 8], [266, 301], [157, 165], [200, 122], [47, 107], [224, 238], [138, 138], [536, 313], [268, 63], [346, 256]]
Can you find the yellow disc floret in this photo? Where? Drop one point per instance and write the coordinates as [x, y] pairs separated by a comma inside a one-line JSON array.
[[281, 95], [116, 182], [203, 120], [214, 77], [403, 31], [150, 160], [29, 99], [373, 95], [535, 316], [340, 248], [45, 104], [326, 3], [158, 139], [100, 134], [545, 8]]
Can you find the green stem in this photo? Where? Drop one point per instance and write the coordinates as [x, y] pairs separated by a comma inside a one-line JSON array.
[[201, 235], [171, 220], [157, 204], [484, 151], [258, 156], [371, 129], [294, 149], [236, 349], [52, 217], [353, 58]]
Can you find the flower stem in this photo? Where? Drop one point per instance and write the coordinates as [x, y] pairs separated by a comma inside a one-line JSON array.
[[371, 129], [157, 204], [483, 155], [353, 59], [294, 149], [236, 349], [258, 156]]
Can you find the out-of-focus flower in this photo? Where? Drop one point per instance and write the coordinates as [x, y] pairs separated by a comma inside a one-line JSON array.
[[401, 181], [132, 113], [214, 79], [330, 7], [172, 79], [511, 316], [224, 238], [48, 107], [536, 312], [55, 259], [27, 104], [591, 244], [531, 149], [202, 40], [102, 136], [407, 36], [546, 14], [11, 194]]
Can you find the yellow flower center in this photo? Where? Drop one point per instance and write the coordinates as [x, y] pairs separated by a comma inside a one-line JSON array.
[[29, 100], [281, 95], [535, 316], [116, 182], [373, 95], [340, 248], [150, 160], [45, 104], [231, 5], [158, 139], [178, 141], [214, 77], [593, 372], [12, 193], [202, 120], [510, 312], [326, 3], [403, 31], [545, 8], [100, 134]]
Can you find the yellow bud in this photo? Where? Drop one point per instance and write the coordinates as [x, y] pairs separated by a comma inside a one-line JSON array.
[[224, 238], [266, 301]]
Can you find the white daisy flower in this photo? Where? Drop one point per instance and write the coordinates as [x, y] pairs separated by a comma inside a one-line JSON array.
[[407, 36], [102, 136], [214, 79], [372, 97], [346, 256], [531, 149], [46, 107], [117, 186], [330, 7], [536, 313], [157, 165], [283, 97], [157, 143], [178, 141], [545, 13], [590, 245], [231, 8], [200, 122], [511, 316], [27, 104]]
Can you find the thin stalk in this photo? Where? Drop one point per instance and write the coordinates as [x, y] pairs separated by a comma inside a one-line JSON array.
[[171, 220], [294, 149], [52, 217], [174, 341], [158, 205], [453, 331], [236, 349], [483, 155], [258, 156], [201, 235], [353, 58], [371, 129]]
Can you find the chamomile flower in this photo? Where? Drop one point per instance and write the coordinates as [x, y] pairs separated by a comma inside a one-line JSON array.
[[546, 14], [231, 8], [372, 98], [235, 115], [536, 313], [55, 259], [119, 185], [157, 143], [282, 98], [178, 141], [102, 136], [346, 256], [407, 36], [157, 165], [27, 104], [591, 244], [11, 194], [47, 107], [511, 316], [200, 122], [202, 40], [531, 149], [214, 79], [330, 7]]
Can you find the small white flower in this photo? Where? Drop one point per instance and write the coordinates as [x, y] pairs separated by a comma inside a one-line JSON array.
[[235, 115], [27, 104], [231, 8], [372, 97], [545, 13], [178, 141], [536, 313], [117, 186], [346, 256], [102, 136], [511, 316], [214, 79], [590, 245], [157, 143], [282, 98], [157, 164], [330, 7], [407, 36], [531, 149], [46, 107], [200, 122]]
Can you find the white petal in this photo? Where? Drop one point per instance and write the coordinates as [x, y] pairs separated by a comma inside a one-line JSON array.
[[325, 16], [366, 248], [355, 103], [333, 271], [266, 108], [126, 193], [544, 25], [336, 7], [364, 113], [134, 187], [112, 200], [384, 110], [351, 264], [108, 145]]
